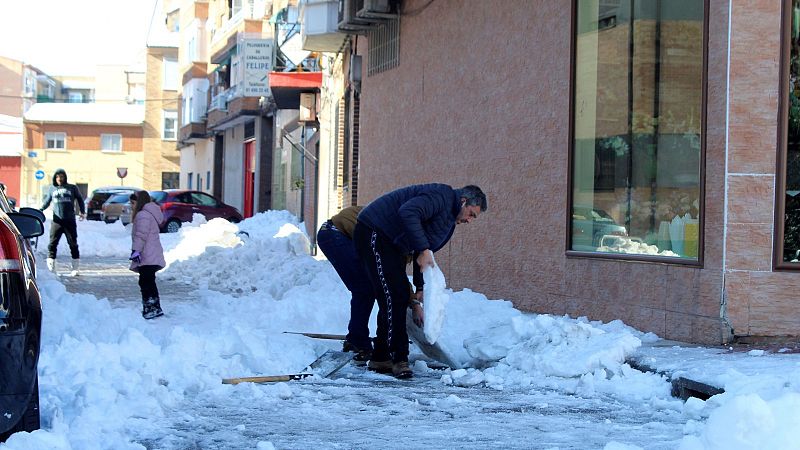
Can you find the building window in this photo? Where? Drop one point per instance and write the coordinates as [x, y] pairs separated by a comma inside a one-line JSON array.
[[75, 97], [30, 85], [234, 6], [111, 142], [170, 81], [192, 117], [191, 49], [170, 180], [788, 191], [55, 141], [189, 178], [638, 113], [384, 47], [170, 125], [208, 179]]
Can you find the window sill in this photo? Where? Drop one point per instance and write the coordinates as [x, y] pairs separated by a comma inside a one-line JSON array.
[[633, 257], [111, 152]]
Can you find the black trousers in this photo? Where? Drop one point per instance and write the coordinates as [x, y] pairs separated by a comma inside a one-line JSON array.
[[386, 268], [70, 230], [147, 282]]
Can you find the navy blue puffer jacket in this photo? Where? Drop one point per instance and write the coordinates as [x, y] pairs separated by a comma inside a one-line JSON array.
[[416, 217]]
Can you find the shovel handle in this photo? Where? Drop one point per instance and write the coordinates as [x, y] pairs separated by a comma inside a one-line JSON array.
[[266, 378]]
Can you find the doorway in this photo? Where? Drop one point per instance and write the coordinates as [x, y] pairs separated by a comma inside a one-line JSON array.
[[249, 177]]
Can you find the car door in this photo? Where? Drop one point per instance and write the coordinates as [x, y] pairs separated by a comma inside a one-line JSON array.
[[205, 205], [183, 207]]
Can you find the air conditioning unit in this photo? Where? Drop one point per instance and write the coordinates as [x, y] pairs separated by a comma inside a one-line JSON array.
[[308, 107], [375, 10], [349, 22]]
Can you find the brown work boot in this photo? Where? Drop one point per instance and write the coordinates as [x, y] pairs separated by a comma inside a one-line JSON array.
[[400, 369], [380, 366]]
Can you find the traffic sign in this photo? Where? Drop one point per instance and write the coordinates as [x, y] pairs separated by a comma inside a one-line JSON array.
[[39, 174]]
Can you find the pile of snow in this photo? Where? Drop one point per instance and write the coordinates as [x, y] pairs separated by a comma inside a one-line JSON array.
[[104, 371]]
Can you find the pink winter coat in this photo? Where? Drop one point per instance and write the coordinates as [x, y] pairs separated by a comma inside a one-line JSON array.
[[145, 237]]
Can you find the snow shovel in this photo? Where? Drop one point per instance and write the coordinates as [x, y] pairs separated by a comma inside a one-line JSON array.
[[334, 337], [435, 351], [325, 366]]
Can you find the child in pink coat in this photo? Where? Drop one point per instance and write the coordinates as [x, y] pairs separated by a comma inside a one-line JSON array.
[[147, 255]]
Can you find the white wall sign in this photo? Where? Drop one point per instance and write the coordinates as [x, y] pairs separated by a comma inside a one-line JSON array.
[[257, 59]]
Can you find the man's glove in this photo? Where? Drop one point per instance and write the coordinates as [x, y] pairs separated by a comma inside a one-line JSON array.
[[135, 256]]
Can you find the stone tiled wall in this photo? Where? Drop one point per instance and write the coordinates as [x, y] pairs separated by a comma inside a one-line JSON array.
[[760, 302], [482, 96]]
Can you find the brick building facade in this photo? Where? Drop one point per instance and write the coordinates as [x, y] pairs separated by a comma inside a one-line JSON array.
[[498, 95]]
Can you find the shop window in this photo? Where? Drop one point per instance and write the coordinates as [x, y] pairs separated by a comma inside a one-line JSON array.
[[638, 127], [111, 142], [788, 230], [55, 141]]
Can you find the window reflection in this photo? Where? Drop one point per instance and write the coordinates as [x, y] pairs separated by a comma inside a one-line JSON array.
[[638, 124]]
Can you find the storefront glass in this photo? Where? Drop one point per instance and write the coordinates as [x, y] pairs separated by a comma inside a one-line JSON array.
[[791, 229], [637, 127]]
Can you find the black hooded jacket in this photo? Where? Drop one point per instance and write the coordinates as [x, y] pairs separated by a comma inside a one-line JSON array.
[[63, 198]]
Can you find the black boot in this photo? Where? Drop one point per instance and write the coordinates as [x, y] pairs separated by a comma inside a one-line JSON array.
[[151, 308]]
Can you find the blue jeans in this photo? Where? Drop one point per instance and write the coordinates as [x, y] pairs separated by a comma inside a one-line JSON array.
[[341, 252]]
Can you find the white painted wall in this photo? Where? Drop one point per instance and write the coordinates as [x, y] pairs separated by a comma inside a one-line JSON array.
[[233, 168]]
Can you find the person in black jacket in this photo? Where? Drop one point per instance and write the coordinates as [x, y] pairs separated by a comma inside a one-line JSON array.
[[63, 196], [415, 220]]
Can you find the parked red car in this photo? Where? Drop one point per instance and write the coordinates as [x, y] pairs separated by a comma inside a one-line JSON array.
[[178, 205]]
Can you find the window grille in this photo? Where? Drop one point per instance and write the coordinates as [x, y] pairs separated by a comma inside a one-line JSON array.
[[384, 47]]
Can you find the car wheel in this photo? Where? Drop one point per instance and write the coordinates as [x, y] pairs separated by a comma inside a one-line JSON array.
[[173, 226], [233, 220]]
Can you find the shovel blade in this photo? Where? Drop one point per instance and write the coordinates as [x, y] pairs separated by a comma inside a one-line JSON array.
[[330, 362]]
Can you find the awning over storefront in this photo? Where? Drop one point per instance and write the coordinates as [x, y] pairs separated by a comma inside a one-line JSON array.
[[286, 87]]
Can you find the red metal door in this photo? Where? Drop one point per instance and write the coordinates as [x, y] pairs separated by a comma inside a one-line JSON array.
[[249, 177]]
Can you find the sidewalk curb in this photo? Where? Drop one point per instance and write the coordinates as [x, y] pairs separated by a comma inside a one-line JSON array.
[[682, 388]]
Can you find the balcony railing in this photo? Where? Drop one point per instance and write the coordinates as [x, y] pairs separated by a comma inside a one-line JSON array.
[[220, 101]]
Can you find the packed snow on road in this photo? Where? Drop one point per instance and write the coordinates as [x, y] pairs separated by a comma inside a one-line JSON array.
[[109, 379]]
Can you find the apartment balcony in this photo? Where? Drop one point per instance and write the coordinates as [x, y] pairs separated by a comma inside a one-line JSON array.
[[192, 132], [286, 87], [229, 108], [196, 70], [200, 10], [225, 40], [320, 29]]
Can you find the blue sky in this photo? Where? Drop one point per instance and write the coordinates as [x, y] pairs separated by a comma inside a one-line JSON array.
[[71, 38]]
